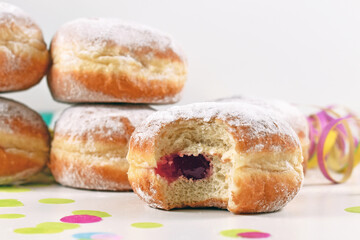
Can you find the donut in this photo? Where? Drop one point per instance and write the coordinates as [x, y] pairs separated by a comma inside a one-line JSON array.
[[24, 142], [235, 156], [290, 113], [23, 54], [107, 60], [90, 145]]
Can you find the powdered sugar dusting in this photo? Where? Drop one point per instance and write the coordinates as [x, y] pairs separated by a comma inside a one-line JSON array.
[[259, 121], [85, 120], [12, 15], [77, 92], [147, 197], [73, 175], [289, 112], [11, 110], [284, 196], [8, 12], [92, 34], [19, 35]]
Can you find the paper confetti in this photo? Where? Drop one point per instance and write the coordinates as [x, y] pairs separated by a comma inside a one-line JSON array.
[[10, 203], [12, 215], [92, 213], [56, 201], [146, 225], [244, 233], [81, 219]]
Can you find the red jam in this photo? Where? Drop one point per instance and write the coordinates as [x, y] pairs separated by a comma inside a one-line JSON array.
[[191, 167]]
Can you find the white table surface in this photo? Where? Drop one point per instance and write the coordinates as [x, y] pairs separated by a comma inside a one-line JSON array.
[[316, 213]]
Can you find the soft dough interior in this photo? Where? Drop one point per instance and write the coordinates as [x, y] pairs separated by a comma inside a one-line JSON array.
[[198, 140]]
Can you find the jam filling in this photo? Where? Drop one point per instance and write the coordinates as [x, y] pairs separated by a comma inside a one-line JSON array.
[[173, 166]]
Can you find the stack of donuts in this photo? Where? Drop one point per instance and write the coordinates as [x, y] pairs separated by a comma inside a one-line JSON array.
[[24, 59], [244, 155], [97, 61], [109, 68]]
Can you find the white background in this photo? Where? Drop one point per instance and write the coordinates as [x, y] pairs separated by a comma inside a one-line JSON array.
[[304, 52]]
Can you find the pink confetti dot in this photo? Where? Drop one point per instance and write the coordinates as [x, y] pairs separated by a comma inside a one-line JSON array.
[[81, 219], [254, 235]]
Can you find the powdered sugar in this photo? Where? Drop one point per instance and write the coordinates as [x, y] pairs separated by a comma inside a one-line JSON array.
[[19, 33], [10, 14], [77, 92], [92, 34], [290, 113], [148, 197], [85, 120], [73, 175], [259, 121], [11, 110], [8, 11]]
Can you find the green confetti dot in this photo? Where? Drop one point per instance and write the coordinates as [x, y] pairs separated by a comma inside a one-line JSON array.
[[60, 225], [12, 215], [10, 203], [146, 225], [37, 230], [92, 213], [13, 189], [234, 232], [56, 201], [353, 209]]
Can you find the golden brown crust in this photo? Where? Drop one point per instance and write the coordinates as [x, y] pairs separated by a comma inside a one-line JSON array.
[[263, 191], [303, 135], [24, 57], [305, 152], [12, 164], [24, 142], [136, 65], [27, 74], [118, 87]]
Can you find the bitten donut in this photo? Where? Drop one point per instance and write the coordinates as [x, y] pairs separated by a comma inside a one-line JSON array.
[[23, 54], [24, 142], [225, 155], [90, 145], [290, 113], [107, 60]]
